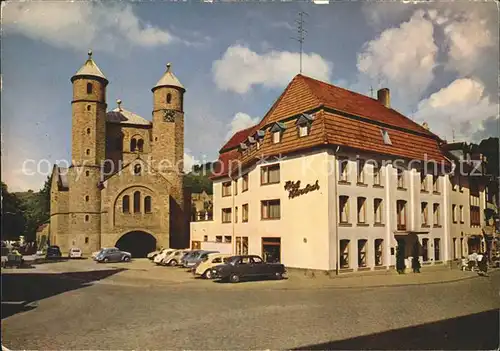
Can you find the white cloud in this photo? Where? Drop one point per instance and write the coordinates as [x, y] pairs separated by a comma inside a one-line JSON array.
[[402, 57], [240, 68], [189, 162], [240, 121], [80, 25], [466, 36], [461, 107]]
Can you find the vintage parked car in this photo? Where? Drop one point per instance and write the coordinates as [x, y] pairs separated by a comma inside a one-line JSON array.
[[175, 257], [53, 252], [204, 268], [191, 260], [153, 254], [248, 266], [75, 252], [94, 254], [159, 259], [113, 255]]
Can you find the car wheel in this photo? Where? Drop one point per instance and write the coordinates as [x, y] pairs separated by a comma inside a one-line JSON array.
[[172, 263], [106, 260], [126, 258], [234, 278], [278, 275], [207, 274]]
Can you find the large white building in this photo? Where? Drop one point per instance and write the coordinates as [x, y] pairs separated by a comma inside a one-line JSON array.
[[333, 180]]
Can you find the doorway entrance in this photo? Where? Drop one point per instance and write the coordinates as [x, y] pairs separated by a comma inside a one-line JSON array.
[[271, 250], [138, 243]]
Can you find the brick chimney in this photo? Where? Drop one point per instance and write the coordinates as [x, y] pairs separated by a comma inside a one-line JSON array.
[[384, 97]]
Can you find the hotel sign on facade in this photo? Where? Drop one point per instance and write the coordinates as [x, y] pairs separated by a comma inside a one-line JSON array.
[[294, 189]]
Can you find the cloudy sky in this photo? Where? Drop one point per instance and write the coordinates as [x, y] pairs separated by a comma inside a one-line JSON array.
[[440, 61]]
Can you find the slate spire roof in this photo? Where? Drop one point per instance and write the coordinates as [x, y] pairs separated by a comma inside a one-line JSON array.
[[168, 80], [89, 68]]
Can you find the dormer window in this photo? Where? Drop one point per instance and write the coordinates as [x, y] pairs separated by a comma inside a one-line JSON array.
[[304, 124], [258, 137], [277, 129], [243, 147], [385, 137]]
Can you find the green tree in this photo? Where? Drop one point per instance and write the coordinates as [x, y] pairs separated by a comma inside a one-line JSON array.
[[12, 216]]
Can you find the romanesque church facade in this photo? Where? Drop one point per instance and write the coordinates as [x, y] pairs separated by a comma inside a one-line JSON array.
[[124, 187]]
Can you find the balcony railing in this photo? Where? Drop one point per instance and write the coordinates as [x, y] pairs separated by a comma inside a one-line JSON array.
[[201, 216]]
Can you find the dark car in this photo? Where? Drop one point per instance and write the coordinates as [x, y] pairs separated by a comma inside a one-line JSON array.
[[248, 266], [113, 255], [53, 252]]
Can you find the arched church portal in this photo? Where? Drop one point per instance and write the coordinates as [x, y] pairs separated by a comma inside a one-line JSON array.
[[138, 243]]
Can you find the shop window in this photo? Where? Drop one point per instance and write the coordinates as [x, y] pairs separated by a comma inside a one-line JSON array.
[[126, 204], [344, 209], [226, 215], [137, 202], [436, 215], [271, 209], [362, 248], [344, 253], [226, 189], [424, 213], [379, 245], [244, 213], [361, 171], [425, 250], [377, 210], [361, 210], [401, 214], [147, 204], [271, 250], [270, 174], [343, 169], [437, 243]]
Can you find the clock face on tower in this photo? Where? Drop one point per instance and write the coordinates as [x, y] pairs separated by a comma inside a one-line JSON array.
[[169, 116]]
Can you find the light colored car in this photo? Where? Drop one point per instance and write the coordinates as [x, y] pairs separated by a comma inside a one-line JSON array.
[[191, 261], [204, 269], [75, 252], [175, 257], [153, 254], [162, 255]]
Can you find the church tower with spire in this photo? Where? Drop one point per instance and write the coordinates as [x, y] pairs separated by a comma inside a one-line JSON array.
[[168, 142], [88, 153]]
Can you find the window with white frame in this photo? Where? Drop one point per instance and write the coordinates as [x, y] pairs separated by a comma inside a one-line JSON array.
[[362, 253], [226, 215], [344, 253], [276, 137], [235, 187], [401, 214], [385, 137], [244, 213], [424, 213], [454, 213], [226, 188], [218, 238], [435, 183], [437, 244], [270, 174], [244, 183], [379, 258], [227, 238], [271, 209], [377, 175], [361, 210], [377, 210], [344, 209], [303, 130], [436, 215], [361, 171], [343, 169], [423, 181], [401, 178], [425, 249]]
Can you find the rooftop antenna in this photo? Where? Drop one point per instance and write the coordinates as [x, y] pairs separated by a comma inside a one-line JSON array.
[[371, 91], [300, 33]]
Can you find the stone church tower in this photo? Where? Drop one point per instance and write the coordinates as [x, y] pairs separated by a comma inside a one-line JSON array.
[[124, 187], [87, 152]]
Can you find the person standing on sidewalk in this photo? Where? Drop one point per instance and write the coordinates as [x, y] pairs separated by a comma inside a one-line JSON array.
[[415, 262]]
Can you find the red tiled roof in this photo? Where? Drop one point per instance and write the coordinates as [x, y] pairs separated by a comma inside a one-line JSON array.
[[343, 118]]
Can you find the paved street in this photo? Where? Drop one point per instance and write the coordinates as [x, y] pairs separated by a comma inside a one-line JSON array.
[[71, 305]]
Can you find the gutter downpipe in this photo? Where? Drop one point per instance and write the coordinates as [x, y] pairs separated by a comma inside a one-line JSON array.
[[233, 243], [335, 181]]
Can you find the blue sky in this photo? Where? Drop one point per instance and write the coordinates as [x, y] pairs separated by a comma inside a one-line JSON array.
[[440, 61]]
